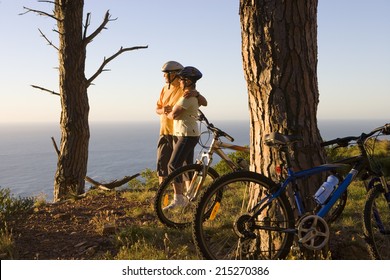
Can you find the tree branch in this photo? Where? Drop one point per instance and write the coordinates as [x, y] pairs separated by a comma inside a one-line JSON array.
[[112, 185], [55, 146], [47, 40], [44, 89], [106, 61], [41, 13], [50, 2], [102, 26], [87, 23]]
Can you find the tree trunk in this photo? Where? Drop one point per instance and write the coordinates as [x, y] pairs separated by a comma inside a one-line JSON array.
[[279, 52], [73, 157]]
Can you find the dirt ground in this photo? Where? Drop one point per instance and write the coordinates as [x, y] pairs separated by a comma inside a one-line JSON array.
[[69, 231]]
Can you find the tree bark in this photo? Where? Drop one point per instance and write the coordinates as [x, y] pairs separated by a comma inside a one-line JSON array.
[[279, 52], [73, 157]]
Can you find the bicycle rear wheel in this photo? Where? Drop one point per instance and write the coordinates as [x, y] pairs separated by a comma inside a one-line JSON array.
[[180, 217], [226, 233], [337, 209], [377, 223]]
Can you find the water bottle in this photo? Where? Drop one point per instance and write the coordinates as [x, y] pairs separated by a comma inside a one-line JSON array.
[[326, 189]]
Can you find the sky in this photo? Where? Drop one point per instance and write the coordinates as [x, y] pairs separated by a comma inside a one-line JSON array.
[[353, 58]]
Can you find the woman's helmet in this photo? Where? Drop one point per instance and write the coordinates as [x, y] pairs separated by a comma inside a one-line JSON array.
[[172, 66], [190, 73]]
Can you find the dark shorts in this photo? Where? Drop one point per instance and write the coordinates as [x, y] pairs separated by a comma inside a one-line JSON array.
[[183, 152], [164, 152]]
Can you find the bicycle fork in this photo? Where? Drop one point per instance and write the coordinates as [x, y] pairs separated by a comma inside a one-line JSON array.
[[198, 177], [377, 217]]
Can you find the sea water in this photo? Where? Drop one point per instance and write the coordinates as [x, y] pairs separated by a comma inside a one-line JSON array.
[[28, 159]]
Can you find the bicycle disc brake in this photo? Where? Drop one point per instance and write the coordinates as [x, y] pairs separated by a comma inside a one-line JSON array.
[[313, 232]]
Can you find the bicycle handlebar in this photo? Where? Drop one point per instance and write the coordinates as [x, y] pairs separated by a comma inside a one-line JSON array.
[[217, 132], [344, 142]]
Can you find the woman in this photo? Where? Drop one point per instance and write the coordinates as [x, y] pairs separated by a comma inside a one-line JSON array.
[[169, 96], [185, 129]]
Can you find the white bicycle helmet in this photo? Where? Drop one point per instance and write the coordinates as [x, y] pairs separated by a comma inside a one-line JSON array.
[[172, 66]]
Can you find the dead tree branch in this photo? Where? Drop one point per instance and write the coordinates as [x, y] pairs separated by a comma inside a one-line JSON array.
[[47, 90], [112, 185], [41, 13], [87, 23], [50, 2], [104, 186], [47, 40], [107, 60], [55, 146], [88, 39]]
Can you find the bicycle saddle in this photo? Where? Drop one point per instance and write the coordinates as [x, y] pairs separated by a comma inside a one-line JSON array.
[[278, 139]]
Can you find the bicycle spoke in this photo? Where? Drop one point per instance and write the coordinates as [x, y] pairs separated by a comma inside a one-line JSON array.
[[190, 178], [377, 224], [233, 233]]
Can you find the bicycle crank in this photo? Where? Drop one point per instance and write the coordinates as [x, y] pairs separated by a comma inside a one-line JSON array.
[[313, 232]]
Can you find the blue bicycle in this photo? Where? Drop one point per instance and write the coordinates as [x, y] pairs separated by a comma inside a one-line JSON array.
[[239, 228]]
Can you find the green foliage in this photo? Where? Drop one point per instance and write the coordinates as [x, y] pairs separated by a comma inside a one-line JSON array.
[[7, 250], [379, 152], [149, 180], [10, 205], [222, 168], [155, 243]]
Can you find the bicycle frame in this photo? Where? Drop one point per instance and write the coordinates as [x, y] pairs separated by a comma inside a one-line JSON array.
[[206, 158], [217, 147], [232, 228], [293, 176], [358, 163]]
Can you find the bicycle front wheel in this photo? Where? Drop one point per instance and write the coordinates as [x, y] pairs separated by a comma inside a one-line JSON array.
[[191, 177], [377, 223], [230, 232]]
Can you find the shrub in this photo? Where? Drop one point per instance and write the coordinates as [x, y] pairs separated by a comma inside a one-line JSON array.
[[222, 168], [10, 206]]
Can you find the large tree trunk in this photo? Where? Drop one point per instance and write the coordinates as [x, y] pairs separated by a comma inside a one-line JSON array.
[[279, 51], [73, 157]]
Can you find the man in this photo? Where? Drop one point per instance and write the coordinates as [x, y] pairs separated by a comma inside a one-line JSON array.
[[169, 96]]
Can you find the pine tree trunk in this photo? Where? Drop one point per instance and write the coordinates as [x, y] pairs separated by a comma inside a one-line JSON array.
[[279, 52], [73, 157]]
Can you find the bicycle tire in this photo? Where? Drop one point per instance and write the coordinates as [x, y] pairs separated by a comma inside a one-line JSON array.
[[376, 223], [215, 236], [182, 217]]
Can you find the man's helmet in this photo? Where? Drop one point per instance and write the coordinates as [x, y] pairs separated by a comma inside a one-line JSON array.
[[190, 73], [172, 66]]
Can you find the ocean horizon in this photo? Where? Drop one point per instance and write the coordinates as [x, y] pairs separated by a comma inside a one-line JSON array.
[[28, 159]]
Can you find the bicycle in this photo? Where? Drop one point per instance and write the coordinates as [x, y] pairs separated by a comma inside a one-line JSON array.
[[195, 176], [265, 229]]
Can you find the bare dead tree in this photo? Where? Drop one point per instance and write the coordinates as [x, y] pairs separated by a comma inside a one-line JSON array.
[[73, 40]]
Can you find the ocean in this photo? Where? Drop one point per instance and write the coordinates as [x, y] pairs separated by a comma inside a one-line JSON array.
[[28, 159]]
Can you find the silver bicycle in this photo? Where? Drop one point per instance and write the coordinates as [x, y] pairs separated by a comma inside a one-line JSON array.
[[196, 176]]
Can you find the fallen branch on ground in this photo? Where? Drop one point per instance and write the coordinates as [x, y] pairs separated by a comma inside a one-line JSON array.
[[111, 185]]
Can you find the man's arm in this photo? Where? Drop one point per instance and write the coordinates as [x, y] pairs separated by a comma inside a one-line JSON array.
[[176, 111], [202, 101]]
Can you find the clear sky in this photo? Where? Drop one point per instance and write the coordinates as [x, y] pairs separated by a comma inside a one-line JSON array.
[[353, 67]]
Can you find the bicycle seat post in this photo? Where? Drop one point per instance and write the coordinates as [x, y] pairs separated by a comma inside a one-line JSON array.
[[284, 150]]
